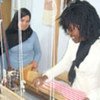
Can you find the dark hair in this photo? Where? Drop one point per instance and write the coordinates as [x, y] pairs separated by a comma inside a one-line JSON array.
[[12, 32], [13, 27], [84, 15]]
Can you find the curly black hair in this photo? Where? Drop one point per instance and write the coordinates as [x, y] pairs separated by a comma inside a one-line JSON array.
[[83, 14]]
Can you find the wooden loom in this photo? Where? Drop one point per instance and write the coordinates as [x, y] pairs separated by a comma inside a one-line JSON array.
[[29, 76], [53, 89], [7, 94]]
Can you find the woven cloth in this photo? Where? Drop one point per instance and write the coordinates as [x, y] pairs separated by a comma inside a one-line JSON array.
[[64, 89]]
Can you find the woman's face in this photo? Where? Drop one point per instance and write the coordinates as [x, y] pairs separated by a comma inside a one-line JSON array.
[[74, 33], [23, 24]]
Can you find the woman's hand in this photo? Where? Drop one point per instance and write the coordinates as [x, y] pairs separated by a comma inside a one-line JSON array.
[[39, 81], [34, 65]]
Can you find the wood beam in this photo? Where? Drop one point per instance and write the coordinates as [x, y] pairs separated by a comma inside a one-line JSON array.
[[56, 34]]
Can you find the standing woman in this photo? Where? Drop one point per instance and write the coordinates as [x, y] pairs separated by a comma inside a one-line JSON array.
[[31, 51]]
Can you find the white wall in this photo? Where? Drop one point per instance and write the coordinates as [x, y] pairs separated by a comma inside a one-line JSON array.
[[96, 4]]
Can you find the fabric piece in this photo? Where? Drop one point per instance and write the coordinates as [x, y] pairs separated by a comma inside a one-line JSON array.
[[65, 90]]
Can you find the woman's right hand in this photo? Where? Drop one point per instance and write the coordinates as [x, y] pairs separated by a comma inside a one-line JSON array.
[[39, 81]]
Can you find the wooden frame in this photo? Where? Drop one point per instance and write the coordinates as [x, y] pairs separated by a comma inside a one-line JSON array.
[[7, 94]]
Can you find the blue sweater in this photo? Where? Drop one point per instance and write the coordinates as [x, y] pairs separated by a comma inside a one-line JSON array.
[[30, 51]]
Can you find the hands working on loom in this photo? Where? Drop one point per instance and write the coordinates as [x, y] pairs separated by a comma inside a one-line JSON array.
[[39, 81]]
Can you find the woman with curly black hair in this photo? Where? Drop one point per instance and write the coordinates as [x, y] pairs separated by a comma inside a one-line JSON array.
[[82, 23]]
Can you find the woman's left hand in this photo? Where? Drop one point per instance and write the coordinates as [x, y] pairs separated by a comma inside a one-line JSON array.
[[34, 65]]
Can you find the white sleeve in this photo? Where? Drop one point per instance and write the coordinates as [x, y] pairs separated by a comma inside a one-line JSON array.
[[64, 64], [94, 95]]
